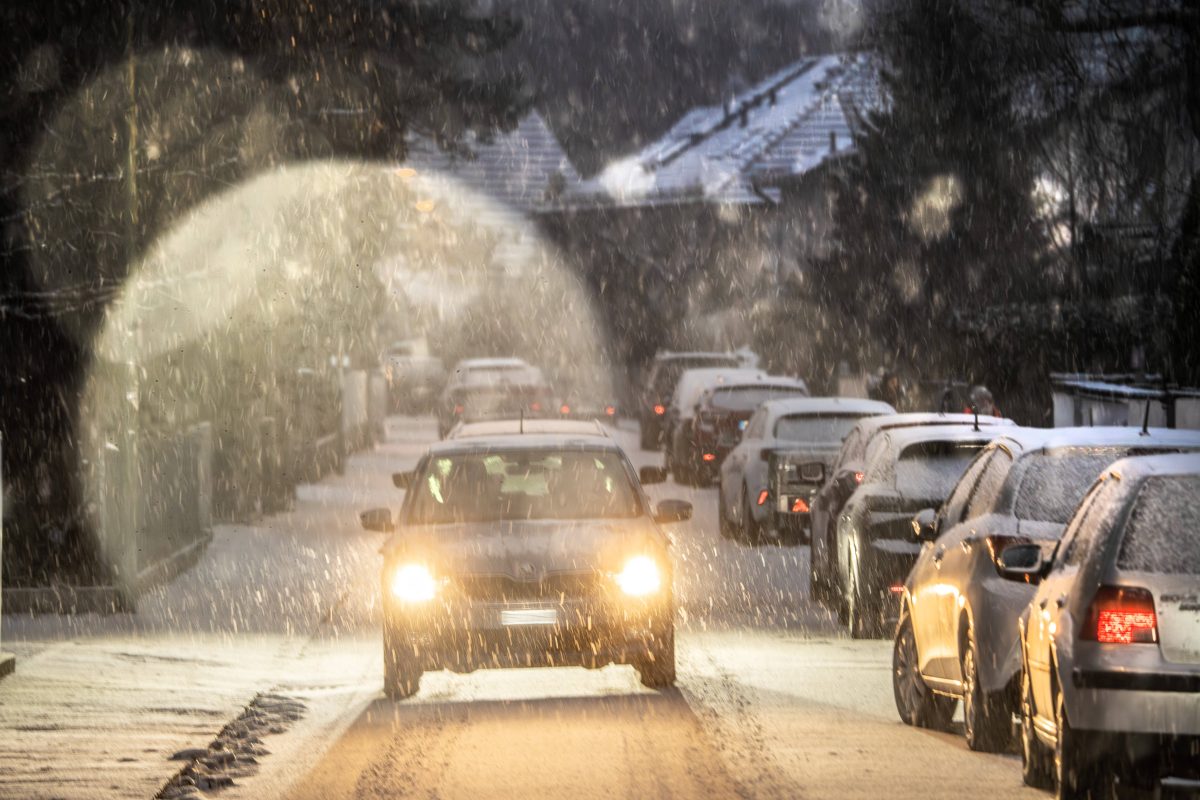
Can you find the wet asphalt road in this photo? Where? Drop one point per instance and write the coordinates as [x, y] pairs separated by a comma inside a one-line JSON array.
[[773, 701]]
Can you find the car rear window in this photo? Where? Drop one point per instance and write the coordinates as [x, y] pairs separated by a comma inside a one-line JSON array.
[[669, 372], [829, 429], [930, 470], [1053, 483], [748, 398], [1163, 531]]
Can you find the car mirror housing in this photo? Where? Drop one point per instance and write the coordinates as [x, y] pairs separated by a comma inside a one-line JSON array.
[[402, 480], [650, 475], [673, 511], [1022, 563], [925, 525], [378, 520]]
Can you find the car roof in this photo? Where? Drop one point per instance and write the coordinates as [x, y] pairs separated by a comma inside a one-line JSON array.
[[826, 405], [492, 363], [672, 355], [517, 427], [1145, 466], [902, 437], [872, 425], [694, 381], [1029, 440], [531, 441]]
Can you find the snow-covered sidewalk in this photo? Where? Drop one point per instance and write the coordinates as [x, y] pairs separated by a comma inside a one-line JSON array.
[[98, 705]]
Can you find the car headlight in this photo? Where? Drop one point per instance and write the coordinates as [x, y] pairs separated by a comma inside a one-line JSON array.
[[413, 583], [639, 577]]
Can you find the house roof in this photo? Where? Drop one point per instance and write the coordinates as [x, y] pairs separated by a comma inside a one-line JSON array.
[[787, 125]]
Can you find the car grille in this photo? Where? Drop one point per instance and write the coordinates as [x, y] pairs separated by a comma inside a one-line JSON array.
[[552, 587]]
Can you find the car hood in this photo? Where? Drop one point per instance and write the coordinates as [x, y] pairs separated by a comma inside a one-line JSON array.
[[526, 549]]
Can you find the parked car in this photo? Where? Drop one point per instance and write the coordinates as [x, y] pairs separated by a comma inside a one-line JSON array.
[[958, 631], [1110, 645], [538, 550], [414, 379], [697, 447], [840, 482], [763, 492], [484, 399], [661, 378], [682, 409], [905, 470]]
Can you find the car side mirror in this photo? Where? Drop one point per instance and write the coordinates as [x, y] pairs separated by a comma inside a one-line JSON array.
[[673, 511], [925, 525], [1022, 563], [402, 480], [377, 519], [649, 475], [812, 472]]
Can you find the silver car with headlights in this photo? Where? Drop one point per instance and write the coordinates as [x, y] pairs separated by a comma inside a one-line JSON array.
[[764, 493], [957, 637], [526, 551], [1110, 687]]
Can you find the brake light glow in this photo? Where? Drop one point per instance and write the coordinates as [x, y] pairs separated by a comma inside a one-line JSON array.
[[458, 409], [1121, 615], [709, 457], [762, 497], [799, 506], [535, 406], [858, 477], [896, 588], [610, 411], [566, 409], [660, 410]]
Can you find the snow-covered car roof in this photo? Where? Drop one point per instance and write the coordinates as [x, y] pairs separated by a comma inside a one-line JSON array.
[[490, 363], [517, 427], [693, 382], [903, 437], [529, 441], [1143, 466], [872, 425], [671, 355], [1035, 439], [790, 406], [520, 375]]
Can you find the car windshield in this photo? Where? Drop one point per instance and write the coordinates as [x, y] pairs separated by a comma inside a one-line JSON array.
[[929, 470], [1053, 483], [492, 402], [819, 428], [748, 398], [523, 485], [1162, 533]]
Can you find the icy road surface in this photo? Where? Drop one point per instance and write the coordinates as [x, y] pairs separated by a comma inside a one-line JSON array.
[[773, 700]]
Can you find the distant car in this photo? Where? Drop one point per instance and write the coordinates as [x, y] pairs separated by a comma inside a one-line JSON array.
[[414, 380], [526, 551], [721, 415], [957, 637], [842, 478], [682, 409], [763, 493], [1110, 645], [506, 369], [585, 407], [656, 393], [906, 470], [532, 425], [485, 400]]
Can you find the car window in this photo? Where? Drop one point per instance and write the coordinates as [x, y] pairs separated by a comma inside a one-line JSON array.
[[956, 503], [929, 470], [536, 484], [1053, 483], [1077, 541], [850, 449], [991, 481], [1162, 533], [757, 425], [748, 398], [818, 428]]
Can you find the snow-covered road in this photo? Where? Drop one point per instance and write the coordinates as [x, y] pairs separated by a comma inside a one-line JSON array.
[[773, 700]]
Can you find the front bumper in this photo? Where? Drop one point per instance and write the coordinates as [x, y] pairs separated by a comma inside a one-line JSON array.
[[463, 635]]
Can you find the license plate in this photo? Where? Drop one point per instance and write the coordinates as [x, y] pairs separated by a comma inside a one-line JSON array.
[[529, 616]]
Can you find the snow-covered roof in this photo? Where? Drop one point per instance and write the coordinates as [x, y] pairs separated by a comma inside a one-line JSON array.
[[693, 382], [1173, 464], [825, 405], [1034, 439], [524, 169], [536, 441], [902, 437], [872, 425], [787, 125], [516, 427]]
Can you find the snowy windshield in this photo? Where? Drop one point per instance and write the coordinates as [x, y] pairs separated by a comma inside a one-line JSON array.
[[523, 485], [822, 428], [1162, 533], [929, 470], [1054, 483]]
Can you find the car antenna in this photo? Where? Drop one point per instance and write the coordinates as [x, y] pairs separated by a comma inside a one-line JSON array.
[[1146, 420]]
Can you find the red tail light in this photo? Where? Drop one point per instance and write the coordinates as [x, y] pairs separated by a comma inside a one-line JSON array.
[[709, 457], [458, 409], [762, 497], [535, 406], [799, 506], [1121, 615], [566, 409], [858, 477], [610, 411], [996, 545], [660, 410]]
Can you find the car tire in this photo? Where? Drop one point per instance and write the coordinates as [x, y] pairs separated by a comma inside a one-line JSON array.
[[862, 617], [818, 587], [1037, 767], [401, 671], [649, 437], [1076, 774], [751, 532], [657, 669], [986, 717], [724, 523], [916, 703]]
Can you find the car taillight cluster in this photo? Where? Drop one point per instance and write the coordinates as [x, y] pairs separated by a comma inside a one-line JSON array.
[[996, 545], [660, 409], [1121, 615]]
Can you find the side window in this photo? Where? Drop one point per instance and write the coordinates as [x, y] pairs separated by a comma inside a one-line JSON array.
[[757, 425], [952, 509], [1077, 540], [875, 464], [987, 491]]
